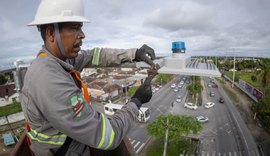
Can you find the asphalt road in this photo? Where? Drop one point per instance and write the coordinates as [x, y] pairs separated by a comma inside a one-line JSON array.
[[225, 138], [225, 134]]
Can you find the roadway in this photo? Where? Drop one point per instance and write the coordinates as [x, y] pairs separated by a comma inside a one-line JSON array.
[[225, 134], [220, 134]]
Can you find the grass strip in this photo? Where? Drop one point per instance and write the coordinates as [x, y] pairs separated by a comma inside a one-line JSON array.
[[13, 108]]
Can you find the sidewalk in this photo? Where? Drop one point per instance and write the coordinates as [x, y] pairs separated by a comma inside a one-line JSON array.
[[11, 118]]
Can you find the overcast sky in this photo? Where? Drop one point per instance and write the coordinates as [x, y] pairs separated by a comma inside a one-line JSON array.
[[204, 25]]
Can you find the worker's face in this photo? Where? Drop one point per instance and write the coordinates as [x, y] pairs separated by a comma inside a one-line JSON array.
[[71, 36]]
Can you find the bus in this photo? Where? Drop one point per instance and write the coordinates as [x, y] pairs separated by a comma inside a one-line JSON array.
[[111, 108]]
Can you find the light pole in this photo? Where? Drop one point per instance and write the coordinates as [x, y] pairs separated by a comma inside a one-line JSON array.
[[166, 137], [233, 71], [216, 61]]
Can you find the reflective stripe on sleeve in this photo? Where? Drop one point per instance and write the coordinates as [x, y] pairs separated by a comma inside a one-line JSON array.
[[107, 134], [42, 138], [96, 56]]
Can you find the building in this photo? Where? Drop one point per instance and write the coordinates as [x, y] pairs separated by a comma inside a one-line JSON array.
[[101, 90], [7, 90], [8, 74]]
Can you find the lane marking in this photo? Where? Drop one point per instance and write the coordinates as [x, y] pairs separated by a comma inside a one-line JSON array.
[[140, 148], [137, 144]]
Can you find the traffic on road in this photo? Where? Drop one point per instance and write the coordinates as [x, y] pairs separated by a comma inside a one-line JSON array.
[[220, 135]]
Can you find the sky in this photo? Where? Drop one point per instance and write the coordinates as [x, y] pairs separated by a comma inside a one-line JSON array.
[[207, 27]]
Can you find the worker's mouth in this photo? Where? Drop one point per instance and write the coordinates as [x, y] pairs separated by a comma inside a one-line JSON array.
[[77, 47]]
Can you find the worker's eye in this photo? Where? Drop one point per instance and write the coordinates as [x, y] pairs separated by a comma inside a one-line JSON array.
[[76, 28]]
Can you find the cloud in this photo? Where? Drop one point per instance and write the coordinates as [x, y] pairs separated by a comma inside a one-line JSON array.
[[207, 25], [184, 16]]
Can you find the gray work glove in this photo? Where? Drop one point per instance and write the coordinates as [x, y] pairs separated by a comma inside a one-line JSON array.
[[146, 54], [143, 93]]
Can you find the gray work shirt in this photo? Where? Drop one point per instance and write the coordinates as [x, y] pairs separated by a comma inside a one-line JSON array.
[[47, 95]]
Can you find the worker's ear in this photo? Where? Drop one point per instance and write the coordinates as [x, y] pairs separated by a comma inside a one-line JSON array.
[[50, 33]]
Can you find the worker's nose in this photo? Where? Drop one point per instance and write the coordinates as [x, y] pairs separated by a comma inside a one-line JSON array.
[[81, 34]]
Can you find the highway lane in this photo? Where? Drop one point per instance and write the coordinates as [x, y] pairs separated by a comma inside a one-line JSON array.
[[248, 143], [226, 138], [221, 135], [231, 133]]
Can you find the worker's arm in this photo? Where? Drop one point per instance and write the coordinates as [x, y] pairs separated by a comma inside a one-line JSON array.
[[109, 57], [103, 57]]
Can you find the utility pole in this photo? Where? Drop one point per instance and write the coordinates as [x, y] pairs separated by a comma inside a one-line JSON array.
[[216, 61], [233, 70], [166, 137]]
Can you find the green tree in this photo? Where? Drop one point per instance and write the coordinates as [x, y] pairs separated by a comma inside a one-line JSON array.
[[240, 66], [265, 71], [179, 126], [262, 108], [228, 65], [195, 88], [250, 64], [253, 78], [3, 79]]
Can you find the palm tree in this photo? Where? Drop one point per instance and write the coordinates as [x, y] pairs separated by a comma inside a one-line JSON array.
[[195, 87], [265, 71]]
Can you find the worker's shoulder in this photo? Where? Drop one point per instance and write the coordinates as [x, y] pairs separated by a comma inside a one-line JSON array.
[[43, 64], [45, 67]]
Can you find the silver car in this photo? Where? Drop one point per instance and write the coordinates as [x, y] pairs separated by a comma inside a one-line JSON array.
[[202, 119], [190, 106], [209, 104]]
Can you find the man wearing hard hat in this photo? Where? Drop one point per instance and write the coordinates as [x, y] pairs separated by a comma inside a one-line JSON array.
[[59, 117]]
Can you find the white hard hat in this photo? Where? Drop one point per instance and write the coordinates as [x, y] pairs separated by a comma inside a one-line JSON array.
[[57, 11]]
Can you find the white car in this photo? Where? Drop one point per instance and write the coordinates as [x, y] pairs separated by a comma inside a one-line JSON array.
[[179, 85], [173, 85], [190, 106], [178, 99], [209, 104], [176, 89], [202, 119]]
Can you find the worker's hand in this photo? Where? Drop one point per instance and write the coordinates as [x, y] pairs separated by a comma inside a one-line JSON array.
[[143, 93], [153, 71], [146, 54]]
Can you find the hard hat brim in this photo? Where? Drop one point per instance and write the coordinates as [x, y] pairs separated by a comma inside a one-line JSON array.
[[51, 20]]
